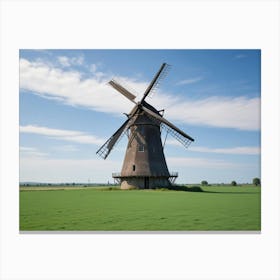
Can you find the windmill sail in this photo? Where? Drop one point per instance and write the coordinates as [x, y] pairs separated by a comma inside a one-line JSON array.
[[107, 147], [156, 80], [184, 141], [178, 134], [122, 90]]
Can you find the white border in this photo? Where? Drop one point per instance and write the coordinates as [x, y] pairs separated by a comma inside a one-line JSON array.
[[140, 24]]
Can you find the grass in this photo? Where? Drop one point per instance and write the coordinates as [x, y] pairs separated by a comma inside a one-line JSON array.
[[95, 209]]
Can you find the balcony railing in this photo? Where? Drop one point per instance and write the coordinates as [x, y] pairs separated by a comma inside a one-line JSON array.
[[171, 174], [116, 175]]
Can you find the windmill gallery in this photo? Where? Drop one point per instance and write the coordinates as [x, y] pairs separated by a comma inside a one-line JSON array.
[[144, 164]]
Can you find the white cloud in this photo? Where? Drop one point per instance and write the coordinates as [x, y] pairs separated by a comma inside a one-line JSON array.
[[66, 148], [94, 93], [66, 61], [79, 60], [199, 162], [238, 112], [27, 149], [233, 150], [92, 68], [98, 75], [189, 81], [61, 134], [69, 88], [31, 152]]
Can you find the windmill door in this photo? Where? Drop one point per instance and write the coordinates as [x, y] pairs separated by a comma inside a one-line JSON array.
[[146, 182]]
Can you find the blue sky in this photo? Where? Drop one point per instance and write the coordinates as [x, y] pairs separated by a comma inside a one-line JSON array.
[[67, 111]]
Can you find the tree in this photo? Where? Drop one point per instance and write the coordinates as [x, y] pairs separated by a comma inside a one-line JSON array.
[[233, 183], [204, 183], [256, 181]]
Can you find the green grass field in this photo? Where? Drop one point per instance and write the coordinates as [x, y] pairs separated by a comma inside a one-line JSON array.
[[97, 209]]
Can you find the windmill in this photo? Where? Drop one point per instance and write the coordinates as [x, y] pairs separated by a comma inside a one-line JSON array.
[[144, 164]]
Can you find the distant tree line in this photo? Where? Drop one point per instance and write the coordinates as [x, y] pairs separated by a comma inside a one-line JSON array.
[[255, 182]]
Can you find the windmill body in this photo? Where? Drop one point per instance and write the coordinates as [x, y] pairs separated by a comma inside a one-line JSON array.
[[144, 164]]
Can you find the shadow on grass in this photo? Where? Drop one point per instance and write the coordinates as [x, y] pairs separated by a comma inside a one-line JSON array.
[[183, 188], [199, 189], [231, 192]]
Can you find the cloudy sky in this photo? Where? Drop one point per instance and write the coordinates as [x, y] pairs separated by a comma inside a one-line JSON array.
[[67, 111]]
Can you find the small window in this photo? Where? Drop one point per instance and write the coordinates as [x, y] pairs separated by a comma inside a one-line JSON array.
[[133, 167], [141, 148]]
